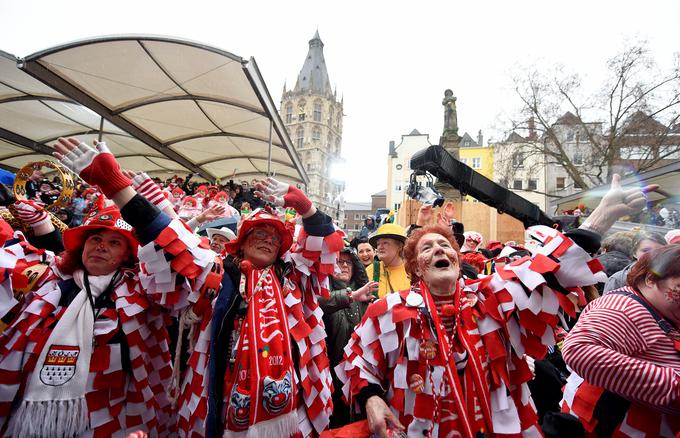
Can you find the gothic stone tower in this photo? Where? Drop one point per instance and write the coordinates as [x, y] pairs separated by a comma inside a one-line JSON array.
[[313, 116]]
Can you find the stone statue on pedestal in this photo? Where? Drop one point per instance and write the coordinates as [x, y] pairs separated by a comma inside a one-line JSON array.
[[450, 115], [450, 141]]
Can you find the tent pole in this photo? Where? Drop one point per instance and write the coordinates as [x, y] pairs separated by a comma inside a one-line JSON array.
[[101, 129], [269, 157]]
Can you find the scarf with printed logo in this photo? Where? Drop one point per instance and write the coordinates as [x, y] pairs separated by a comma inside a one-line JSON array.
[[262, 395], [54, 401]]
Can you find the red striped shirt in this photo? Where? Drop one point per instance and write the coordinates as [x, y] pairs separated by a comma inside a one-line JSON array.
[[618, 345], [447, 321]]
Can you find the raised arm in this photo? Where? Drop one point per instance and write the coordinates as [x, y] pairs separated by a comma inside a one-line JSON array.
[[168, 248], [617, 203], [97, 166]]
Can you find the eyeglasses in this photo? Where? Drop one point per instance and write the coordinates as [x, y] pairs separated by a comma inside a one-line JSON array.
[[261, 234]]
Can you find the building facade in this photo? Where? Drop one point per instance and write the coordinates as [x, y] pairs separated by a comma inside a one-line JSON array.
[[398, 166], [518, 168], [573, 137], [355, 213], [313, 116], [476, 156]]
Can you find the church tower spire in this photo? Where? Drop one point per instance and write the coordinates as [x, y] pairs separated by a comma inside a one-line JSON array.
[[313, 116], [314, 76]]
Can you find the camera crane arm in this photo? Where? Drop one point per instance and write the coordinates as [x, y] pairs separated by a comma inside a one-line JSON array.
[[438, 162]]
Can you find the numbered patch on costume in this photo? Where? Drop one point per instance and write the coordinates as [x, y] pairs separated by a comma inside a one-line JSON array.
[[60, 364]]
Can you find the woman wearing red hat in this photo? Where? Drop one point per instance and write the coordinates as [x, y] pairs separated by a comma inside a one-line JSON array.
[[260, 366], [221, 199], [87, 353], [446, 358]]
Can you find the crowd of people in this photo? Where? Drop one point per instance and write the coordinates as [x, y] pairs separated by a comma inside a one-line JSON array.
[[128, 322]]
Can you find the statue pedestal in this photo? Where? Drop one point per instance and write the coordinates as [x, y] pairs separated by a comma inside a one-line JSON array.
[[450, 141]]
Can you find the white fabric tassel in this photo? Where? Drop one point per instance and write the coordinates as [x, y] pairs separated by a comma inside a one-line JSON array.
[[282, 426], [53, 418]]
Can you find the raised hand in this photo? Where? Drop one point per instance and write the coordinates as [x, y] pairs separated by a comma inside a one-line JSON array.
[[365, 292], [272, 191], [620, 202], [448, 212], [211, 213], [424, 215], [283, 195], [31, 213], [97, 166], [617, 203], [146, 187]]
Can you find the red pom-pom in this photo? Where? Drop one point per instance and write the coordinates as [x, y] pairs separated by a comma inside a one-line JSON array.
[[246, 266], [449, 310]]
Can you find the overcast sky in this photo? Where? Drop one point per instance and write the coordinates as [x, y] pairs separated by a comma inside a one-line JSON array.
[[391, 60]]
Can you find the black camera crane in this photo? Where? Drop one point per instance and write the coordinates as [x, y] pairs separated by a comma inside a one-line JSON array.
[[438, 162]]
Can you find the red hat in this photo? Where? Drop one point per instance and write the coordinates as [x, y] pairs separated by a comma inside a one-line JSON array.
[[219, 194], [190, 200], [494, 244], [89, 190], [177, 191], [106, 218], [203, 189], [672, 237], [260, 217]]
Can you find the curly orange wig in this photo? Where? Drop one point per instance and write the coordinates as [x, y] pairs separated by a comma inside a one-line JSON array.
[[410, 254]]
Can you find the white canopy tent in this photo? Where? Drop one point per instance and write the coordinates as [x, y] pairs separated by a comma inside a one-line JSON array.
[[33, 116], [163, 105]]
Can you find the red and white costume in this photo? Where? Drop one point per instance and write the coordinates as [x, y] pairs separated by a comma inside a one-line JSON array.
[[476, 380], [130, 367], [190, 208], [222, 199], [311, 260]]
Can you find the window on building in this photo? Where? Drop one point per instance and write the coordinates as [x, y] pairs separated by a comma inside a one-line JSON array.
[[570, 136], [517, 184], [301, 117], [533, 184], [317, 111], [578, 159], [476, 163], [397, 186], [464, 161], [518, 160], [356, 216], [560, 182], [399, 166], [633, 152], [289, 113], [300, 136], [316, 133], [397, 206]]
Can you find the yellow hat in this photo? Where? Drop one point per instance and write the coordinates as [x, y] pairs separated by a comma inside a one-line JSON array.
[[392, 231]]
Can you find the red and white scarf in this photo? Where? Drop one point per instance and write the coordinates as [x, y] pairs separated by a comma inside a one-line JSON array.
[[54, 401], [262, 390]]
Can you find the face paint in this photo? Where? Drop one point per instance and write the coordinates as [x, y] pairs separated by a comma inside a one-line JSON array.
[[670, 289]]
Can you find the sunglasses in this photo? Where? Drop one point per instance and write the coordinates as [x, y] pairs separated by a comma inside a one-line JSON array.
[[261, 234]]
